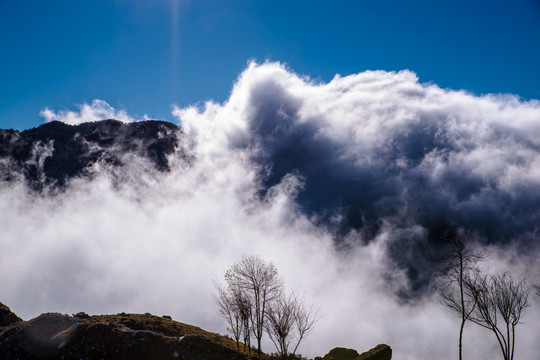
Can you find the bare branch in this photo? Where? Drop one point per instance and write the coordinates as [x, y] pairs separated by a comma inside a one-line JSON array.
[[305, 320], [229, 311], [261, 283], [459, 264], [280, 323], [500, 304]]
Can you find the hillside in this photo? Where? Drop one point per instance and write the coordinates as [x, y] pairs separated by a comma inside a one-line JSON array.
[[128, 336], [121, 336]]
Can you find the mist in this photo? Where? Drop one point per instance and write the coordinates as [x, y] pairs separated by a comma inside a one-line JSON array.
[[344, 186]]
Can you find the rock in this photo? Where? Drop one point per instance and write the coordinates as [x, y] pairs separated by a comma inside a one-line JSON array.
[[340, 353], [379, 352], [81, 315], [7, 317]]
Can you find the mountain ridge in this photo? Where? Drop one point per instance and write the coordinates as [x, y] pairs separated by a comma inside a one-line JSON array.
[[54, 153]]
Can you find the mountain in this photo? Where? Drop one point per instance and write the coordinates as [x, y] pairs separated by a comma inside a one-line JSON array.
[[54, 153]]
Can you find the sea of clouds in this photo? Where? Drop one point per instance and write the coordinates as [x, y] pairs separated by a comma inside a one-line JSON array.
[[342, 185]]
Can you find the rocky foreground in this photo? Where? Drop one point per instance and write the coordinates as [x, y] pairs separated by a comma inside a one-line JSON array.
[[127, 336]]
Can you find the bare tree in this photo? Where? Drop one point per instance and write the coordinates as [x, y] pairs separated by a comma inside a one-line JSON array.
[[243, 305], [459, 265], [280, 322], [500, 303], [229, 311], [235, 307], [261, 283], [305, 320], [253, 303], [289, 319]]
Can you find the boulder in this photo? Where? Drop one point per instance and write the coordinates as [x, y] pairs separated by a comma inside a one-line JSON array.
[[7, 317], [379, 352], [340, 353]]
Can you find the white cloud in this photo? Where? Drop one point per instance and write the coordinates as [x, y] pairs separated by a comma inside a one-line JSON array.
[[385, 132], [156, 241], [98, 110]]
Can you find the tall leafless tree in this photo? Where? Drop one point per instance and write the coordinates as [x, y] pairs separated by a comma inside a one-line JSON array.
[[261, 283], [500, 303], [243, 305], [280, 321], [305, 319], [289, 320], [235, 307], [230, 312], [459, 264]]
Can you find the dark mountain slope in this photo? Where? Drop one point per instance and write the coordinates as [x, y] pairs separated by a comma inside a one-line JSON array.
[[55, 152], [7, 317]]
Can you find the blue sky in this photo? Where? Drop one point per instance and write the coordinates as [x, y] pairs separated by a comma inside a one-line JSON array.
[[145, 56]]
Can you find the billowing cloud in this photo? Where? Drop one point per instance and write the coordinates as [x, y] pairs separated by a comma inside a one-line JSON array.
[[97, 110], [340, 184], [379, 149]]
